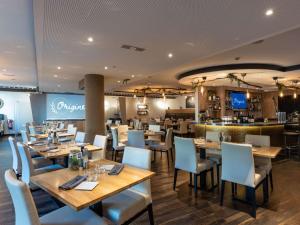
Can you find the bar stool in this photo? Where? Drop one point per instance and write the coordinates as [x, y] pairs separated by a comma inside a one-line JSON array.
[[291, 146]]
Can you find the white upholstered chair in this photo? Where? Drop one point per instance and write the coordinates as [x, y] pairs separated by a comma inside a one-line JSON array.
[[26, 212], [28, 169], [183, 129], [238, 168], [25, 140], [213, 154], [136, 138], [99, 141], [261, 162], [124, 207], [116, 145], [164, 146], [80, 137], [186, 160]]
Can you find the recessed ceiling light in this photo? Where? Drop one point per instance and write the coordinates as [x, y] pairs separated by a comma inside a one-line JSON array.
[[132, 76], [55, 75], [269, 12], [119, 81], [59, 68], [105, 67], [4, 70], [58, 85], [90, 39], [170, 55]]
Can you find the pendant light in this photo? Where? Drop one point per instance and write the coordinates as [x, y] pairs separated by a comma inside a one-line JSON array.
[[295, 95]]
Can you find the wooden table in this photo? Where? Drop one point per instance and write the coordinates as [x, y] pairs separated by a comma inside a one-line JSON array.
[[64, 150], [44, 136], [153, 133], [108, 185]]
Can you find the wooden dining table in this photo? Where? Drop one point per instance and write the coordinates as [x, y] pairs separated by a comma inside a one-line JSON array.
[[44, 136], [202, 144], [108, 185]]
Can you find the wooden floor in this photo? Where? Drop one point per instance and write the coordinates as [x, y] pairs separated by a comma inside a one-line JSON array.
[[181, 207]]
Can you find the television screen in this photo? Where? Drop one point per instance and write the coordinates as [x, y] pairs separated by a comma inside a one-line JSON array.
[[238, 100], [65, 106]]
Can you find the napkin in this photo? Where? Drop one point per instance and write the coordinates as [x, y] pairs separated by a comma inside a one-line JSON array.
[[86, 186]]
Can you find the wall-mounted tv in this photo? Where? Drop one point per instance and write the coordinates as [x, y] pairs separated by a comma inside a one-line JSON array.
[[238, 100]]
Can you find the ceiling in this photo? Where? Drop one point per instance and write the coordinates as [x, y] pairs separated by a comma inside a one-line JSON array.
[[40, 35]]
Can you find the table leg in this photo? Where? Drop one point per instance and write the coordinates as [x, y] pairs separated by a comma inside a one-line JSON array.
[[97, 208], [66, 161]]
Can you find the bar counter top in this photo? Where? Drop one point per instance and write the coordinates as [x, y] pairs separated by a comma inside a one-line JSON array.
[[241, 124]]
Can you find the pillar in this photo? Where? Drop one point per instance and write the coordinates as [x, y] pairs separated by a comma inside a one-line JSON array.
[[94, 106], [197, 105]]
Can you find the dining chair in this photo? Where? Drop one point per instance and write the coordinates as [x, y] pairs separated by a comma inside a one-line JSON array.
[[80, 137], [213, 154], [136, 139], [122, 133], [238, 168], [191, 128], [17, 166], [25, 140], [101, 142], [186, 159], [72, 130], [28, 169], [26, 212], [261, 162], [70, 127], [183, 129], [116, 145], [61, 125], [154, 128], [165, 147], [32, 130], [126, 206]]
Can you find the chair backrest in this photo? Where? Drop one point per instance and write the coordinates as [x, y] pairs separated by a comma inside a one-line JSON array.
[[238, 163], [80, 136], [61, 125], [168, 139], [24, 135], [25, 209], [213, 136], [136, 139], [118, 122], [109, 122], [192, 127], [140, 158], [185, 154], [258, 140], [100, 141], [27, 167], [70, 128], [17, 165], [122, 132], [155, 128], [183, 127], [115, 139], [32, 130]]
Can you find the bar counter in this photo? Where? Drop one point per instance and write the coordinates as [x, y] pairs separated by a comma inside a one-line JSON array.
[[238, 131]]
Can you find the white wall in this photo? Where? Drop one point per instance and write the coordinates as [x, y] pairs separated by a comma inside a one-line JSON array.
[[156, 106], [16, 107]]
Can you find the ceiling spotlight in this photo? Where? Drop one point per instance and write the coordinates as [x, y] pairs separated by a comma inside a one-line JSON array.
[[269, 12], [90, 39], [105, 67], [58, 85], [295, 95], [59, 68], [248, 94], [119, 81], [134, 96], [163, 94], [4, 70], [132, 76], [281, 94], [170, 55], [55, 75]]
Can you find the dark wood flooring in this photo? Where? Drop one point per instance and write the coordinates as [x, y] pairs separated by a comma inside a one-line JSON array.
[[181, 207]]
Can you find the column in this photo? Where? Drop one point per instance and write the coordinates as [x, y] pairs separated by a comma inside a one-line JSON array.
[[197, 104], [94, 106]]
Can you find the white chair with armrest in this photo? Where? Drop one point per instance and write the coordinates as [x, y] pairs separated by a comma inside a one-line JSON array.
[[101, 142], [116, 145]]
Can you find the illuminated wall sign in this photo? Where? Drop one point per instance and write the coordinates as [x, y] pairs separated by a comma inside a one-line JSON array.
[[64, 106]]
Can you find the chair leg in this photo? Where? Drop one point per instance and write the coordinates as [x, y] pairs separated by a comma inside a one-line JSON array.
[[232, 190], [212, 177], [195, 184], [266, 189], [191, 178], [168, 158], [150, 214], [112, 155], [271, 179], [175, 178], [253, 202], [218, 174], [171, 150], [116, 155], [222, 192]]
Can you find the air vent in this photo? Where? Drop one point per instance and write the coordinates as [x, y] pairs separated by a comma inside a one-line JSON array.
[[258, 42], [134, 48]]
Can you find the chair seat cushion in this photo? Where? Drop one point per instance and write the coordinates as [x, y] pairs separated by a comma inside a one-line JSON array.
[[204, 164], [215, 158], [39, 162], [259, 176], [120, 147], [123, 206], [263, 163], [66, 216], [159, 147], [46, 169]]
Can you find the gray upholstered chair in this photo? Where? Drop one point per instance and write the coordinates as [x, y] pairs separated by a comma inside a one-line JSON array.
[[26, 212], [238, 168], [80, 137], [165, 147], [99, 141], [261, 162], [28, 169], [116, 145], [183, 129], [136, 138], [186, 159], [213, 154], [125, 206]]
